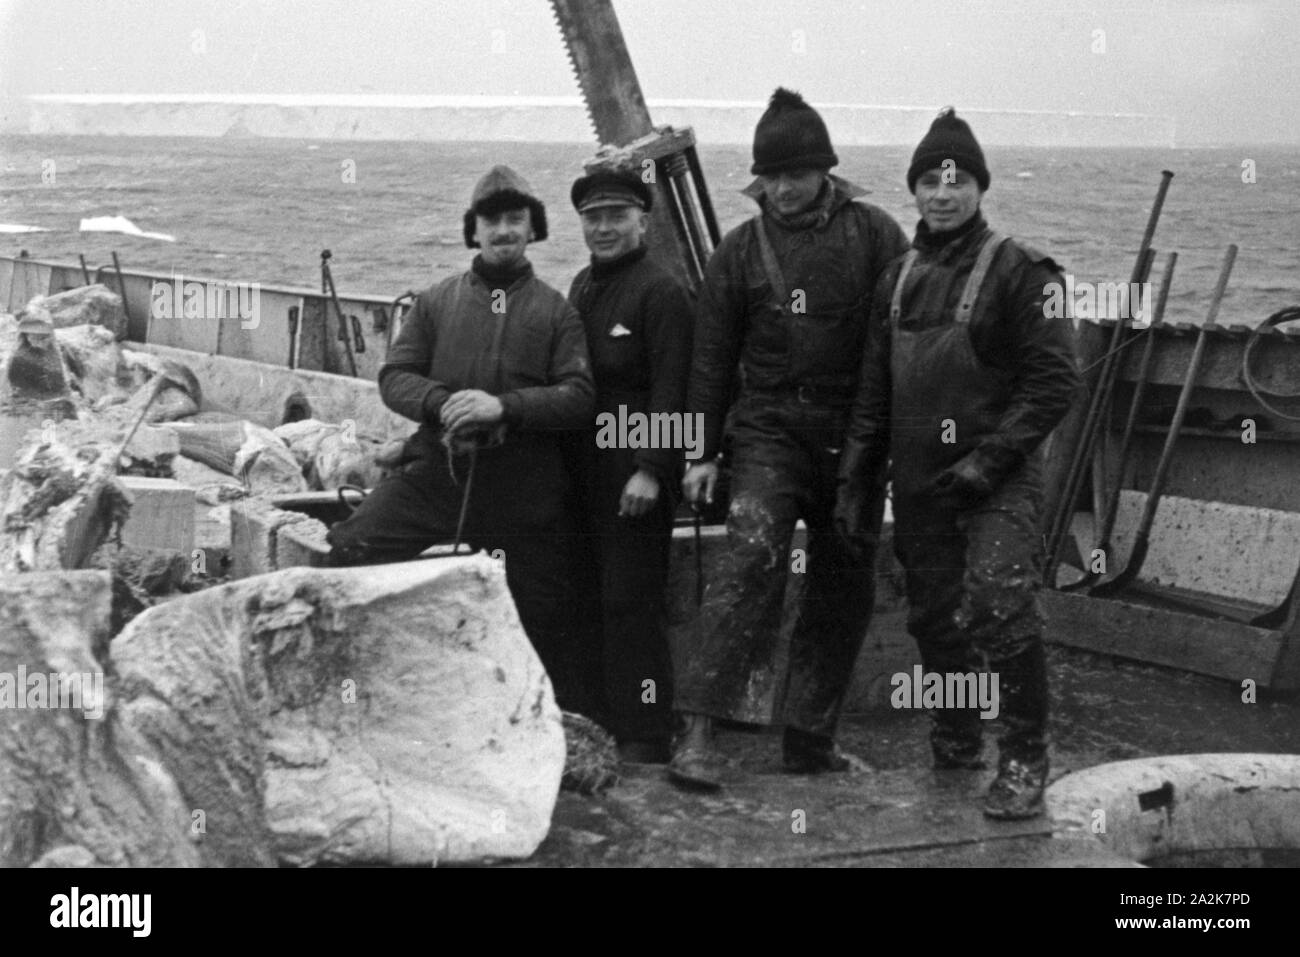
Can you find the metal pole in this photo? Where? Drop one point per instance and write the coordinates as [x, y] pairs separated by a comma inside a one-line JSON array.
[[1143, 539]]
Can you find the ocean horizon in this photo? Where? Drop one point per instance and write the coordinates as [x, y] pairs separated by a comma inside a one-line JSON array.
[[532, 119], [248, 209]]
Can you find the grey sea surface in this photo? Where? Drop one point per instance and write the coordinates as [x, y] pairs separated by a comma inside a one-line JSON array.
[[261, 210]]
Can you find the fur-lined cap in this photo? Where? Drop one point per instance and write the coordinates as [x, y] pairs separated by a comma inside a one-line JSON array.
[[500, 190]]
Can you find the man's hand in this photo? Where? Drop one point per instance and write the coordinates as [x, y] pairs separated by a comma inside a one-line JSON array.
[[964, 484], [699, 482], [468, 408], [846, 519], [639, 495], [847, 515]]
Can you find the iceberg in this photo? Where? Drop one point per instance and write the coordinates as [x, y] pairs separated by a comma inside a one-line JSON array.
[[120, 224]]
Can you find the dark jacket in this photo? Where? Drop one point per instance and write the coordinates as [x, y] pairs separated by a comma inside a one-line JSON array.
[[531, 354], [814, 336], [639, 322], [1030, 366]]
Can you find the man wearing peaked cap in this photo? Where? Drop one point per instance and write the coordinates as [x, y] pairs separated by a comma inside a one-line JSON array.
[[785, 297], [492, 364], [964, 375], [639, 321], [610, 188]]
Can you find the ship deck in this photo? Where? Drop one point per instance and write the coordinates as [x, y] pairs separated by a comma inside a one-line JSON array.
[[903, 814]]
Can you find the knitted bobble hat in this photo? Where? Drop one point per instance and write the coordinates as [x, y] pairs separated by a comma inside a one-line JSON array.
[[950, 138], [791, 135]]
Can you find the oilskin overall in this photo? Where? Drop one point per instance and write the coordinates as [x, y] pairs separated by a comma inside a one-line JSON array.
[[787, 433], [972, 572]]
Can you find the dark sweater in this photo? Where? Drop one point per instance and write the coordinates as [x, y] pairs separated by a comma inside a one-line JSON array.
[[638, 321], [522, 343]]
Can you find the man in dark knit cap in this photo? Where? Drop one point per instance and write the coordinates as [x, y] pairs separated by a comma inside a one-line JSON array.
[[786, 296], [639, 321], [964, 375], [493, 365]]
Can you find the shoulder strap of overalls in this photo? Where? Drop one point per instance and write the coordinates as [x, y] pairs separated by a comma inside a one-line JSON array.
[[896, 304], [775, 278], [992, 243]]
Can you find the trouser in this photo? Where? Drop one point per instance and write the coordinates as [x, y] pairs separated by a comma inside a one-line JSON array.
[[786, 456], [516, 506], [972, 583], [623, 569]]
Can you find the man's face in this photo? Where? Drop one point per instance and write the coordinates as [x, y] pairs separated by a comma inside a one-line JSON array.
[[612, 231], [946, 205], [793, 191], [505, 236]]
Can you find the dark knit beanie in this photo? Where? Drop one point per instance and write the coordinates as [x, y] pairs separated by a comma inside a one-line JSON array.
[[791, 135], [949, 138]]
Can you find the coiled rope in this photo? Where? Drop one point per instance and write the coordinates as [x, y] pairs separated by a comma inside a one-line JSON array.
[[1290, 314]]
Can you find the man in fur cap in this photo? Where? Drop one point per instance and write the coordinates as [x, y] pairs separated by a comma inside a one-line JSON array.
[[493, 365], [786, 297]]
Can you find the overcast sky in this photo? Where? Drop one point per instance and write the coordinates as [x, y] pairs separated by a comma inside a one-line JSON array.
[[1228, 72]]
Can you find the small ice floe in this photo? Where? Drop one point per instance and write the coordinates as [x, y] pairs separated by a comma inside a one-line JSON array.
[[16, 228], [120, 224], [1024, 174]]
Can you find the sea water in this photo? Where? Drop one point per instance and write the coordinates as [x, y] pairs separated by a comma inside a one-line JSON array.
[[261, 210]]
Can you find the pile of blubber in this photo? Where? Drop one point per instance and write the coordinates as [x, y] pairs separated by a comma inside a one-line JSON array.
[[70, 392]]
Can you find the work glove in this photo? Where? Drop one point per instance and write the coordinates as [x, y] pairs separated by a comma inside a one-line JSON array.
[[861, 489], [848, 520], [857, 512], [974, 478]]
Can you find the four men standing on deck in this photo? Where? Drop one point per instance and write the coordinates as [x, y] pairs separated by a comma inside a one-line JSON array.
[[853, 352]]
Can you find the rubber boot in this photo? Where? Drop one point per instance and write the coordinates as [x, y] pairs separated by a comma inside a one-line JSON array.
[[696, 763], [956, 736], [1017, 792], [804, 752]]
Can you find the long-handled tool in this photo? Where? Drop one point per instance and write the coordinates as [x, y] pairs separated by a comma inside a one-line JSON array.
[[464, 499], [1111, 508], [155, 387], [121, 288], [327, 285], [699, 556], [1100, 472], [1092, 422], [1142, 540]]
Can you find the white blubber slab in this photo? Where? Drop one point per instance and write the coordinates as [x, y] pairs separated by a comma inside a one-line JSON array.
[[388, 714]]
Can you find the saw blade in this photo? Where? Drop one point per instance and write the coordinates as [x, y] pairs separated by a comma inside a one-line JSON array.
[[603, 68]]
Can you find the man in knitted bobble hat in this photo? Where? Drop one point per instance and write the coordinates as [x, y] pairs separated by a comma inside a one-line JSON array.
[[785, 297], [964, 374]]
